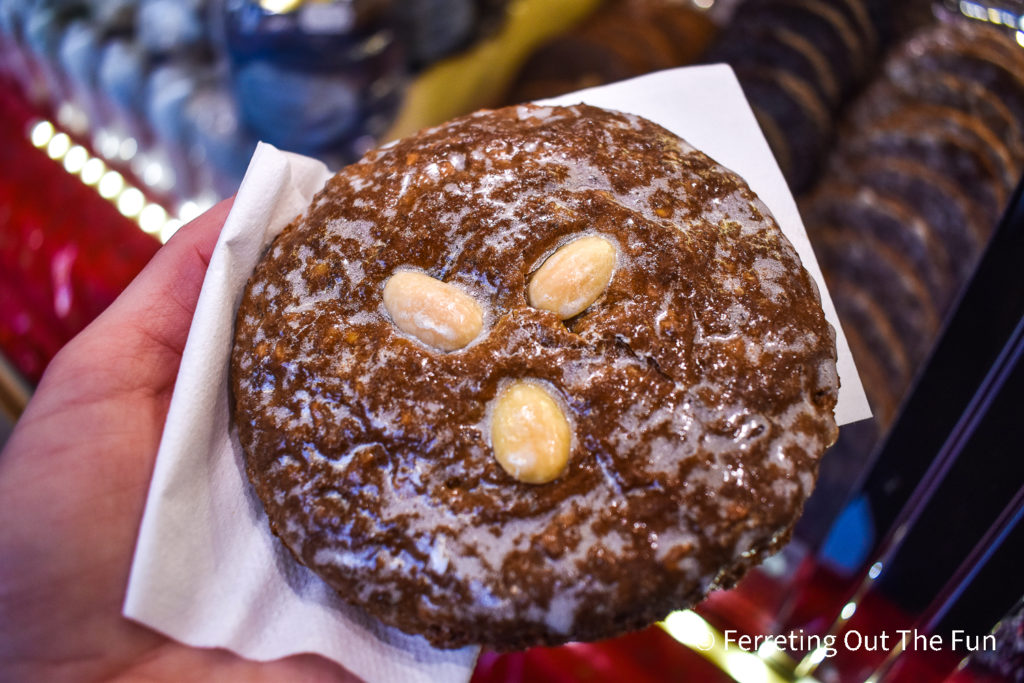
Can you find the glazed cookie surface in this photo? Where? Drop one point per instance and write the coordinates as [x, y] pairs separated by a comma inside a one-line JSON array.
[[573, 288]]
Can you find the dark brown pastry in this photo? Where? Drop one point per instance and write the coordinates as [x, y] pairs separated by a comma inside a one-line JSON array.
[[892, 252], [958, 220], [887, 97], [923, 168], [570, 63], [778, 47], [689, 31], [970, 53], [798, 60], [857, 13], [948, 151], [796, 111], [776, 139], [621, 40], [824, 23], [638, 40], [963, 127], [851, 16], [850, 258], [969, 38], [698, 387]]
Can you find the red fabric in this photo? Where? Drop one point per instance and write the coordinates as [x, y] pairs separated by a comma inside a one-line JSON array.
[[65, 252]]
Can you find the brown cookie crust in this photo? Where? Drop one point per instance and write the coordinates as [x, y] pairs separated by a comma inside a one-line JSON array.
[[699, 388]]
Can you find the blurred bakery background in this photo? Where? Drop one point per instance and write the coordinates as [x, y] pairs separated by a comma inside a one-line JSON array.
[[899, 125]]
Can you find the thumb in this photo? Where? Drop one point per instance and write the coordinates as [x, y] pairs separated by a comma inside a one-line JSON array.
[[160, 301], [136, 343]]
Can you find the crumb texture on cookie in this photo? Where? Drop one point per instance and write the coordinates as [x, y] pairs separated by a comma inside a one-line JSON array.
[[699, 384]]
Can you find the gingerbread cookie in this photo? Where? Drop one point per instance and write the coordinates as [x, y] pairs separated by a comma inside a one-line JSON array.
[[538, 374]]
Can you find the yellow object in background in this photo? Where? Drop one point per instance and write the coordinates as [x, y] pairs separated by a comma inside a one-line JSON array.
[[479, 76]]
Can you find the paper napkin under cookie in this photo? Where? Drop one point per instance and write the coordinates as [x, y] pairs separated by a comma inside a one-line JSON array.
[[207, 570]]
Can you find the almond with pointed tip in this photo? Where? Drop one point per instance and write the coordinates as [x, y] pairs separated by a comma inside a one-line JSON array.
[[437, 313], [573, 277], [530, 434]]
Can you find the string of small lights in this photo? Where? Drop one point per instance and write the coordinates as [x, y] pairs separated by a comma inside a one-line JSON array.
[[95, 172], [1001, 16]]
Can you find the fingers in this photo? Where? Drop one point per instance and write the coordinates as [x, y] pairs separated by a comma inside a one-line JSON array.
[[162, 298], [138, 340], [156, 308]]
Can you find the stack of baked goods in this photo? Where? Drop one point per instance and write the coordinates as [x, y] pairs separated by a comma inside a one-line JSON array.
[[624, 38], [798, 61], [923, 169]]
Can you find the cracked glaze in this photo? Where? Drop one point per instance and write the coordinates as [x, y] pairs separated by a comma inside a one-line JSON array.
[[699, 387]]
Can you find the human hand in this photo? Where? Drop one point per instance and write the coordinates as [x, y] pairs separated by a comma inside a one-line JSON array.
[[73, 483]]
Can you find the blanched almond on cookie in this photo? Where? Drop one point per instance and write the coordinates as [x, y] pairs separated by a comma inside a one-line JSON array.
[[529, 434], [437, 313], [573, 277]]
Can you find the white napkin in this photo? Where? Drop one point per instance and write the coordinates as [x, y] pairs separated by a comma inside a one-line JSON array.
[[207, 571]]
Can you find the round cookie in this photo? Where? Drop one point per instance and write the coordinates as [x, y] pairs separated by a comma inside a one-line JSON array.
[[955, 217], [970, 129], [690, 31], [776, 139], [832, 32], [697, 388], [799, 115], [980, 54], [569, 62], [943, 149], [891, 250], [638, 40], [859, 261], [779, 48], [886, 97]]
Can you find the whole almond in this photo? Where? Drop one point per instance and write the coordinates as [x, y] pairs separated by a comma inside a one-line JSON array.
[[573, 277], [437, 313], [530, 434]]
